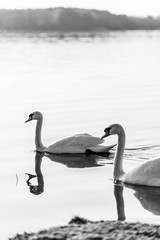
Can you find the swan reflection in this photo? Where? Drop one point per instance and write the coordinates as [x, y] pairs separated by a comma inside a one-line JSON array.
[[71, 161], [81, 160], [118, 193], [149, 197], [39, 188]]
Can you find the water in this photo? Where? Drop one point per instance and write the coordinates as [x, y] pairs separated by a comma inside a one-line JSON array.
[[80, 84]]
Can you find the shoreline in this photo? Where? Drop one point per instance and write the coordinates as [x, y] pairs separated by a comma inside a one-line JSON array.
[[84, 229]]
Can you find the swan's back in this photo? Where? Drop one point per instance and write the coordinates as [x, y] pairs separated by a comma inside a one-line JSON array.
[[85, 139], [147, 174], [77, 144]]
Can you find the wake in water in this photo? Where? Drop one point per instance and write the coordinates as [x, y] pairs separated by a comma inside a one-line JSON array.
[[142, 152], [143, 147]]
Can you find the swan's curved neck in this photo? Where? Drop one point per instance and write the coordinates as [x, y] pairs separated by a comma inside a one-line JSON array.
[[118, 161], [38, 141]]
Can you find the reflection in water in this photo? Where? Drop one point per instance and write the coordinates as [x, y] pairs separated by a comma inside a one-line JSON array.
[[81, 160], [149, 197], [71, 161], [37, 189], [30, 176], [118, 193]]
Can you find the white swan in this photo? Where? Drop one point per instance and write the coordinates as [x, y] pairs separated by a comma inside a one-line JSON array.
[[79, 143], [147, 173]]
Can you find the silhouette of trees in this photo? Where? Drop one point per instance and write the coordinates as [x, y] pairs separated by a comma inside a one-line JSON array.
[[72, 19]]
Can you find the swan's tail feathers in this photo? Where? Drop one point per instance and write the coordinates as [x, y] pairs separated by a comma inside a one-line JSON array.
[[101, 148], [110, 147]]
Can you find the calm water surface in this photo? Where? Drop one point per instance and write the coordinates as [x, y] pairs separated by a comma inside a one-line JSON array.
[[80, 84]]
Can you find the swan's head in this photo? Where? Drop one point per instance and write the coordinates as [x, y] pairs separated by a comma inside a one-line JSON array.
[[112, 130], [34, 116]]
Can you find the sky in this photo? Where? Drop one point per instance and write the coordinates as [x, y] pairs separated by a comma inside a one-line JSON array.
[[128, 7]]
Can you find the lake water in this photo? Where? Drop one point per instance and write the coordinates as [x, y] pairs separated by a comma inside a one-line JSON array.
[[80, 84]]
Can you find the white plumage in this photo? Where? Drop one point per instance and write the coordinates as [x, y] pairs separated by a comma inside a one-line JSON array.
[[147, 173], [79, 143]]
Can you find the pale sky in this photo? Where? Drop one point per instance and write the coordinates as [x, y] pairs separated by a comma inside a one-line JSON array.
[[129, 7]]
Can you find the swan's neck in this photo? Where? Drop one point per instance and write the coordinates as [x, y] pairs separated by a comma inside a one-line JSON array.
[[118, 161], [38, 141]]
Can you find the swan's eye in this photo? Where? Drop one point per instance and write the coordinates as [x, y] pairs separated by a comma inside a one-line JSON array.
[[107, 130], [31, 115]]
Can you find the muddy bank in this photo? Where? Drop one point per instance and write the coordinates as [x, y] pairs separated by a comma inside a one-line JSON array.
[[82, 229]]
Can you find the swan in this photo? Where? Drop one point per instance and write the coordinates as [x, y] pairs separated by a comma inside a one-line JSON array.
[[80, 143], [147, 174]]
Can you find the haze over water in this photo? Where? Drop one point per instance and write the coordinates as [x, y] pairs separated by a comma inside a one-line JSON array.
[[81, 85]]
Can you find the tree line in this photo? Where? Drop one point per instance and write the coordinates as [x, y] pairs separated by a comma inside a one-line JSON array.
[[72, 19]]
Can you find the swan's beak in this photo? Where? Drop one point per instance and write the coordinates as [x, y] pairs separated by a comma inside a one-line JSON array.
[[107, 132], [105, 135], [29, 119]]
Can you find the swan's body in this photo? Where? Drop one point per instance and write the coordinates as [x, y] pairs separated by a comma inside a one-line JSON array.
[[79, 143], [147, 173]]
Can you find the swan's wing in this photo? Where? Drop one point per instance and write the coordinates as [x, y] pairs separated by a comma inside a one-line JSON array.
[[85, 140], [101, 148], [77, 143]]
